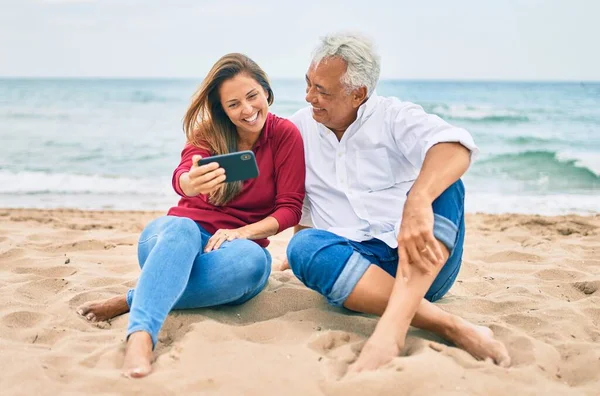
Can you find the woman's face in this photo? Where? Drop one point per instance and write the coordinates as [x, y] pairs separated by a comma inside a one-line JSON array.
[[245, 103]]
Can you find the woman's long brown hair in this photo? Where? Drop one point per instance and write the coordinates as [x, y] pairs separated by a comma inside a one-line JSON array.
[[206, 124]]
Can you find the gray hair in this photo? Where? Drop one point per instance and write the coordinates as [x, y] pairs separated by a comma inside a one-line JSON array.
[[363, 63]]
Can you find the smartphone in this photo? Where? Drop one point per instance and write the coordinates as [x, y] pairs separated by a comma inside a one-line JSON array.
[[238, 166]]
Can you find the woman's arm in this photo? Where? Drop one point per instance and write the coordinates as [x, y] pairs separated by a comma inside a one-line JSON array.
[[288, 153], [290, 173]]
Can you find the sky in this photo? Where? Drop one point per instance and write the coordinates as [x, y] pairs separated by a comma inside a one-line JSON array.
[[428, 39]]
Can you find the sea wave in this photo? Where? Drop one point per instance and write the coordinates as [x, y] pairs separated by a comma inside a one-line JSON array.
[[34, 115], [36, 183], [543, 170], [140, 96], [478, 113]]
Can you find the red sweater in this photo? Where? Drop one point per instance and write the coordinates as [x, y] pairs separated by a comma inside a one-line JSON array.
[[278, 191]]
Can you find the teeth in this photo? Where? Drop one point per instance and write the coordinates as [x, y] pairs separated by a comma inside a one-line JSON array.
[[252, 119]]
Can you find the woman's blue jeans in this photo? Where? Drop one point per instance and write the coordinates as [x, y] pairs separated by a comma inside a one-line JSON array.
[[333, 265], [178, 274]]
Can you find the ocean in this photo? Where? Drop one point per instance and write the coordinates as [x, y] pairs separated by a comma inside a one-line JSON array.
[[113, 143]]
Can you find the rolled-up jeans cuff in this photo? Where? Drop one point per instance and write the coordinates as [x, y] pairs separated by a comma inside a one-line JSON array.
[[129, 297], [445, 231], [355, 268]]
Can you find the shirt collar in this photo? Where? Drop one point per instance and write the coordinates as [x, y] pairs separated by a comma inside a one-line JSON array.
[[265, 134], [366, 109]]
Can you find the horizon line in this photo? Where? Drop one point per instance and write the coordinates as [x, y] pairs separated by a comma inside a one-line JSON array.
[[405, 79]]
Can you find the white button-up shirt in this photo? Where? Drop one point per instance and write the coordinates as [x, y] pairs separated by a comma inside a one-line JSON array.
[[356, 187]]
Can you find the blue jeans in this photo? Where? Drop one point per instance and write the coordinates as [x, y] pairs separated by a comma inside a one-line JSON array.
[[178, 274], [332, 265]]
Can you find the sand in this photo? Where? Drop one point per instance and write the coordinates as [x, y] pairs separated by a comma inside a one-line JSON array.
[[534, 280]]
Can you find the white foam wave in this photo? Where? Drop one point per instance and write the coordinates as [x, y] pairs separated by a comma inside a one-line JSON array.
[[476, 113], [547, 205], [64, 183], [587, 160]]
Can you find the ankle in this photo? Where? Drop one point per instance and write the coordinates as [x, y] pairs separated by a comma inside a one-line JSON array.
[[454, 327], [140, 337]]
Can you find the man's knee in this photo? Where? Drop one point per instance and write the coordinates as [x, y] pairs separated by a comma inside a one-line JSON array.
[[301, 249], [318, 257], [448, 210]]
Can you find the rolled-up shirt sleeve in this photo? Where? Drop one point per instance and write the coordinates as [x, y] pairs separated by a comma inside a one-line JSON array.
[[416, 131], [185, 165], [290, 173], [306, 218]]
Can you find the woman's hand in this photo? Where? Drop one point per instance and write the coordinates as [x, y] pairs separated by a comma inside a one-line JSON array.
[[221, 236], [201, 179]]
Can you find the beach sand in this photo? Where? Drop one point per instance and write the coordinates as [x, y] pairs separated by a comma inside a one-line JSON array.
[[534, 280]]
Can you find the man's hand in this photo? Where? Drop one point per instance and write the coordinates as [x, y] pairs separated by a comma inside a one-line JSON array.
[[417, 245]]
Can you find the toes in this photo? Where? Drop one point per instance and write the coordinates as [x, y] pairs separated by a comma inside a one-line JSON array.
[[436, 347], [137, 372], [503, 361], [91, 317]]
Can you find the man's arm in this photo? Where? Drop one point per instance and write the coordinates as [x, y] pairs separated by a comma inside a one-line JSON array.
[[443, 165]]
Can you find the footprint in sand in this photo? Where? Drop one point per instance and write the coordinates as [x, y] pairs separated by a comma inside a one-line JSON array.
[[81, 246], [587, 287], [43, 289], [283, 277], [340, 349], [103, 282], [50, 272], [512, 255], [23, 319], [557, 274], [13, 254]]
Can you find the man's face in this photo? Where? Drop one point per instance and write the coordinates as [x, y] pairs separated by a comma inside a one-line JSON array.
[[332, 106]]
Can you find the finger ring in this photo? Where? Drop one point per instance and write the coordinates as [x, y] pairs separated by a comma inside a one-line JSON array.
[[424, 249]]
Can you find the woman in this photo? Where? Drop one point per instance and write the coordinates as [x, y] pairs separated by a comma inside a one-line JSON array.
[[210, 249]]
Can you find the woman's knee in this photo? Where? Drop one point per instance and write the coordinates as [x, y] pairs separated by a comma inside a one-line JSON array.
[[169, 230], [170, 225], [254, 263]]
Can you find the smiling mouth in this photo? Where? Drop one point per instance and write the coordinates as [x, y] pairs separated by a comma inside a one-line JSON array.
[[317, 108], [252, 118]]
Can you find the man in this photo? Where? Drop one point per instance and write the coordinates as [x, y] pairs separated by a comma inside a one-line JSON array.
[[385, 203]]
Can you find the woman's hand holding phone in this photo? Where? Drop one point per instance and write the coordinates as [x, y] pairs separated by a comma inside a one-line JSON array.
[[202, 179]]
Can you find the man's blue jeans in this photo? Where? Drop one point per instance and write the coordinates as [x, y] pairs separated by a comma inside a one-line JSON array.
[[332, 265], [177, 274]]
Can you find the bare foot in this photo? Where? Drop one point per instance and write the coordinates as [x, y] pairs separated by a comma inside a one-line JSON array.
[[103, 310], [284, 265], [138, 355], [374, 354], [479, 341]]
